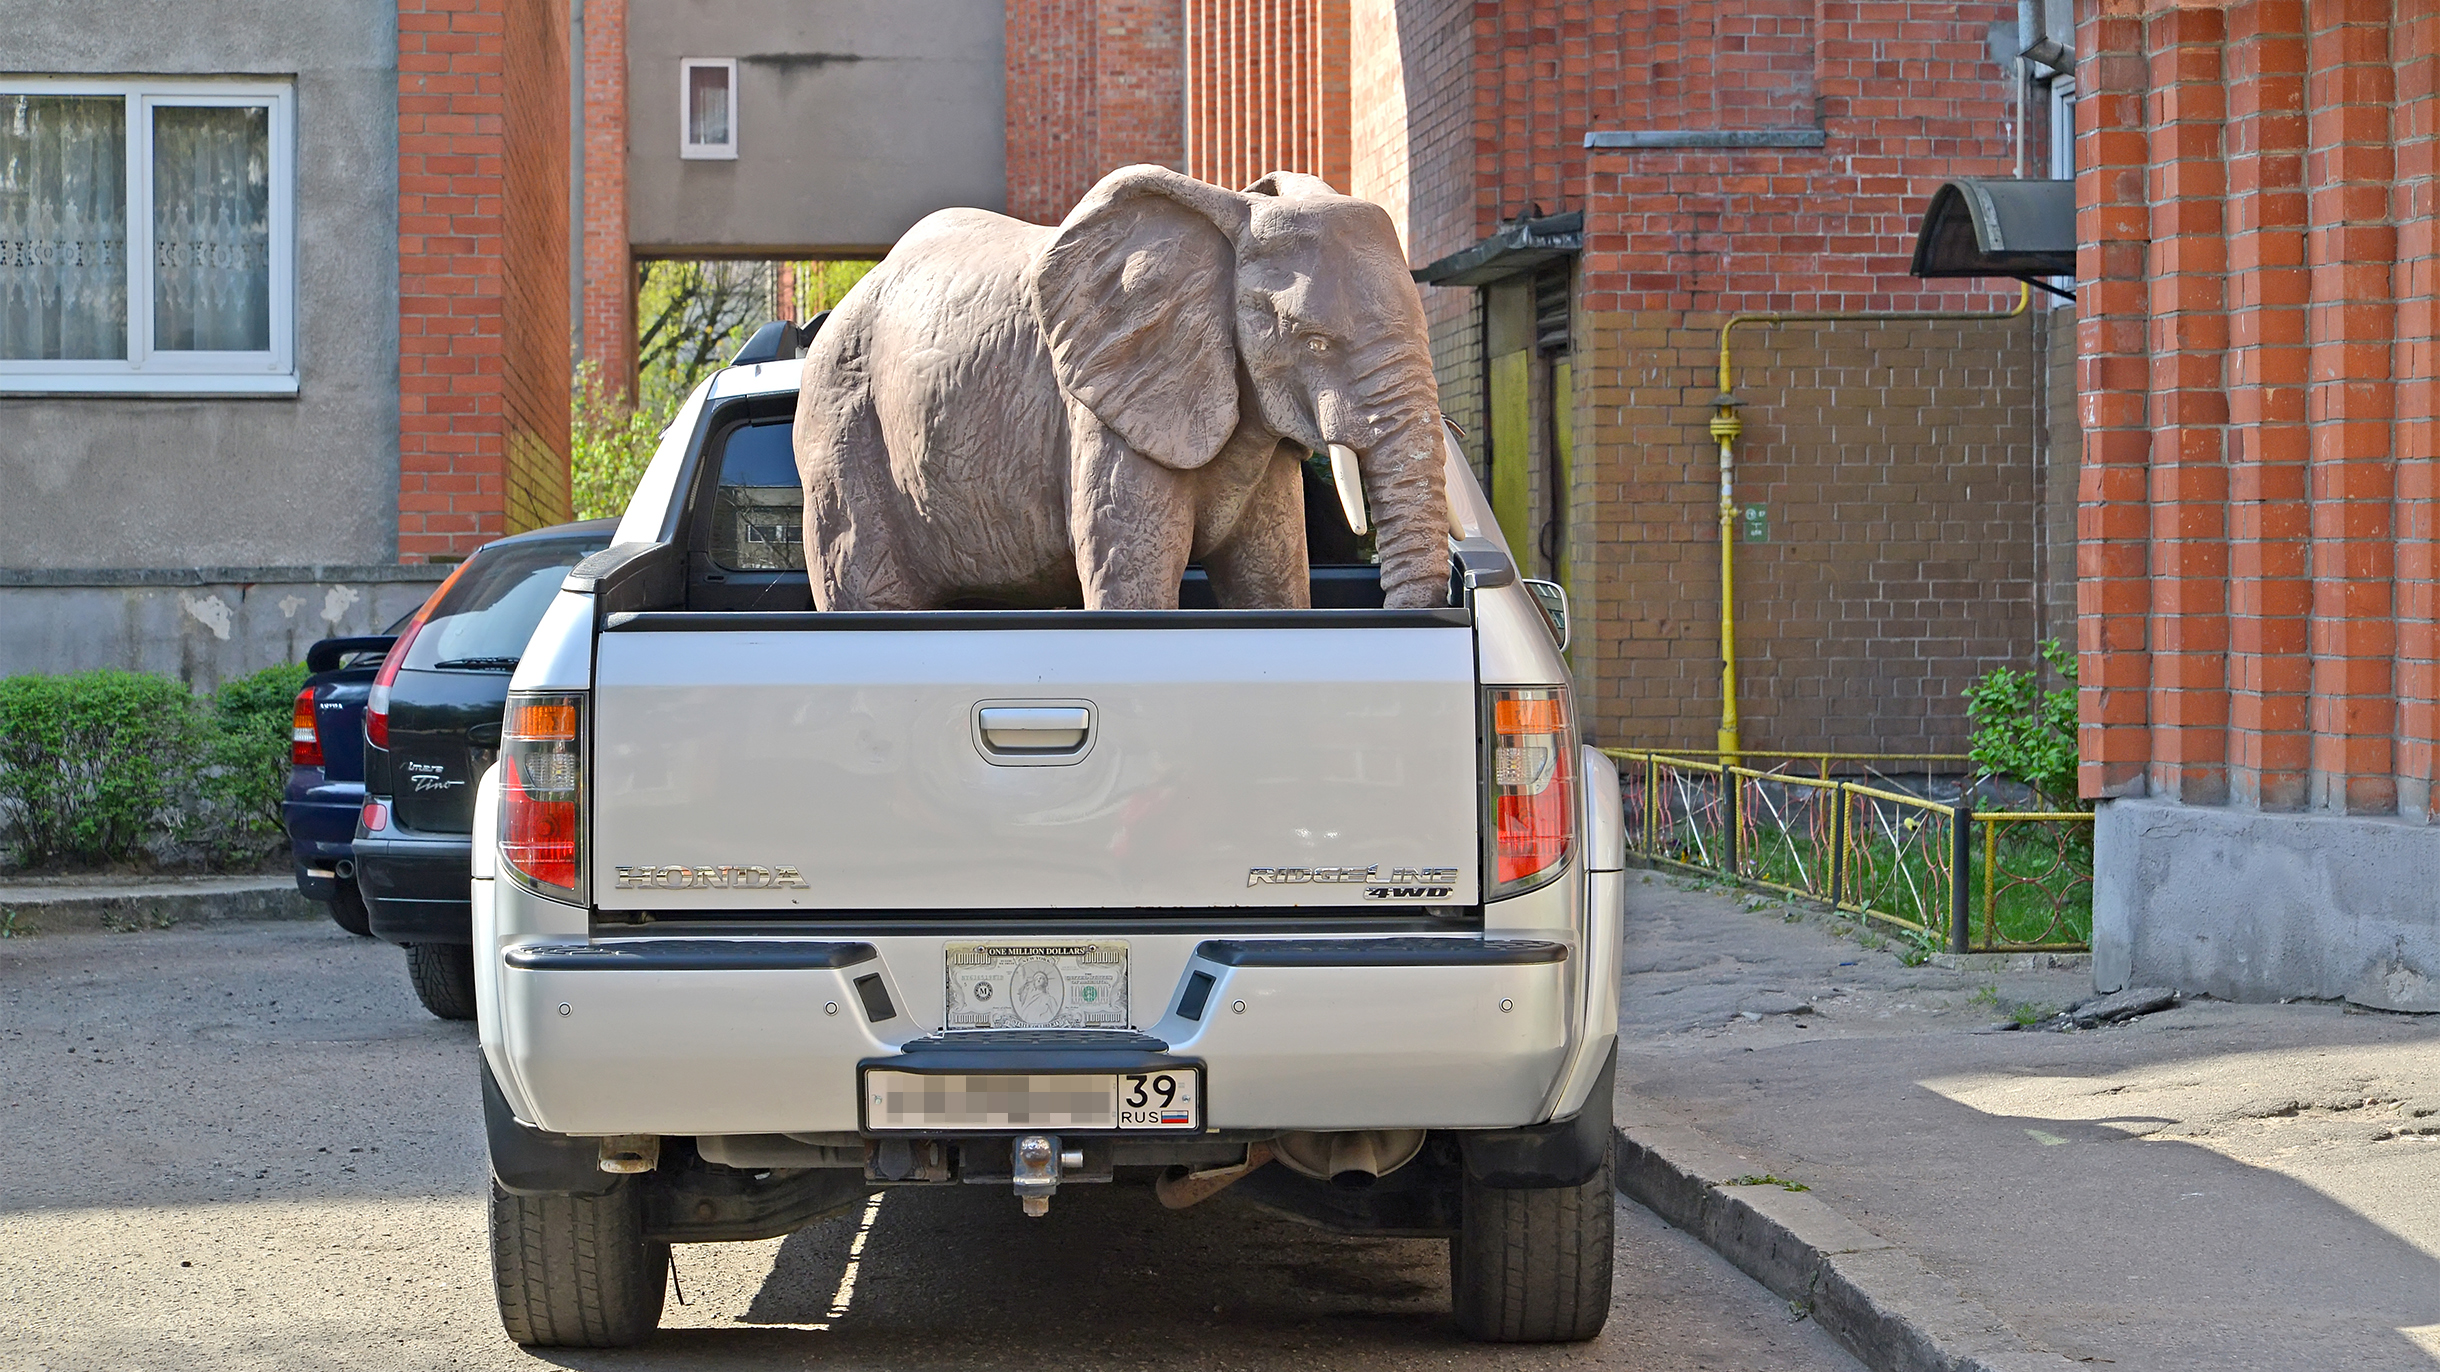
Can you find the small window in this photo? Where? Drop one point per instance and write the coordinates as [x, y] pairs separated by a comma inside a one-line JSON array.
[[493, 606], [147, 235], [758, 510], [707, 114]]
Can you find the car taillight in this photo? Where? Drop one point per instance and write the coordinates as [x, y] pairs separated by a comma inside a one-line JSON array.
[[542, 792], [1532, 820], [304, 744], [377, 701]]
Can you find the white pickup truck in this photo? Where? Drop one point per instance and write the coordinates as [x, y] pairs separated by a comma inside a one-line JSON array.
[[777, 907]]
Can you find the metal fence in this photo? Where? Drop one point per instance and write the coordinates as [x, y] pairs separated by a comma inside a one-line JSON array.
[[1845, 829]]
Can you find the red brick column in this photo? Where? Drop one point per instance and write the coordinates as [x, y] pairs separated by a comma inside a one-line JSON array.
[[609, 268], [2113, 229], [2270, 589], [2415, 52], [2187, 265], [452, 448], [2351, 249], [482, 272]]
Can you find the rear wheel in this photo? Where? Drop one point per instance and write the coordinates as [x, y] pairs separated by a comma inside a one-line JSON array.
[[443, 974], [348, 912], [576, 1271], [1533, 1265]]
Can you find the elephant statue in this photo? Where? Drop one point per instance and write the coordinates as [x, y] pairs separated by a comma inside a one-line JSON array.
[[1013, 415]]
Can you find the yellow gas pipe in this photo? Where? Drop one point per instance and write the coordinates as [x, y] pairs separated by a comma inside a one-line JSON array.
[[1725, 427]]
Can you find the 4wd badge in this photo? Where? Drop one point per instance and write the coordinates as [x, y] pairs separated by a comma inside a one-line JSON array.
[[1402, 883]]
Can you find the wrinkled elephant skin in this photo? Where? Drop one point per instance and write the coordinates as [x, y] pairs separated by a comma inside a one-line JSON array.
[[1007, 414]]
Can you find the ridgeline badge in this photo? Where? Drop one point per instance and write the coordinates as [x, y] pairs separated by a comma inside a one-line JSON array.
[[710, 879], [1402, 883]]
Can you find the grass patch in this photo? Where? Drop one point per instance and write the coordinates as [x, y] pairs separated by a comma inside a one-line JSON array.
[[1766, 1179]]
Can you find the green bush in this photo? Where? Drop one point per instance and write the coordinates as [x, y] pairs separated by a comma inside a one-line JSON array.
[[92, 765], [234, 811], [2025, 733], [104, 768]]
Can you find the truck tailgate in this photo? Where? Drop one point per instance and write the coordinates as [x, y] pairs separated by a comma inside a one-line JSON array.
[[932, 762]]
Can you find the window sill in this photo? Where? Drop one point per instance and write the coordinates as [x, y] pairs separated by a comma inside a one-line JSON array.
[[711, 153], [165, 385]]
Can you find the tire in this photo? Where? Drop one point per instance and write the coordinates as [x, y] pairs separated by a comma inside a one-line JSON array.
[[1533, 1266], [576, 1271], [348, 912], [443, 974]]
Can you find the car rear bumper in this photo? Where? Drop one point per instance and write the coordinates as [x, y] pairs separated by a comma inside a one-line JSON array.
[[645, 1036], [321, 825], [415, 885]]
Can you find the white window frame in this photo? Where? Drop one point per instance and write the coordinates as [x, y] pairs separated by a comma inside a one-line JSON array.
[[687, 148], [145, 370]]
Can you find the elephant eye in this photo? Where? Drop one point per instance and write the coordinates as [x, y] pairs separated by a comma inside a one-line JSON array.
[[1317, 343]]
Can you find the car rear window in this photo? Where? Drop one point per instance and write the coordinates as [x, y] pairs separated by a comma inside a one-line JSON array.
[[484, 621], [758, 510], [758, 507]]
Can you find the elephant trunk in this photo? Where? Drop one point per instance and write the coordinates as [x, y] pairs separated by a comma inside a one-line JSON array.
[[1407, 499]]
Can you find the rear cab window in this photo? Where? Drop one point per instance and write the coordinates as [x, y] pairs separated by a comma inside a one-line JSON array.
[[484, 621], [747, 525]]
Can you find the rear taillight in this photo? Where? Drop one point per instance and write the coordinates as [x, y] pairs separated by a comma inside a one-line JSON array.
[[1532, 819], [377, 702], [542, 792], [304, 744], [375, 817]]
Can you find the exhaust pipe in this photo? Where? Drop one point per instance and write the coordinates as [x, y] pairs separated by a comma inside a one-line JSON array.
[[1355, 1160], [345, 870], [1349, 1159]]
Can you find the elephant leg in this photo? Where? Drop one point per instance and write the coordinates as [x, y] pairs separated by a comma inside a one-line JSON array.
[[1262, 563], [1131, 520], [854, 558]]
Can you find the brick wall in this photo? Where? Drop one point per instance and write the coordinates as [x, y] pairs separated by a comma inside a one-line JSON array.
[[608, 330], [2258, 570], [1899, 464], [1266, 89], [460, 232], [534, 285], [1092, 85]]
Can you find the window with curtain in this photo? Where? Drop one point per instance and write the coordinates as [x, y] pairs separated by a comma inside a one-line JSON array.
[[195, 176], [707, 99]]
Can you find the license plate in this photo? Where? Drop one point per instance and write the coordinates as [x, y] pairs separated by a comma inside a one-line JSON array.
[[1045, 985], [949, 1101]]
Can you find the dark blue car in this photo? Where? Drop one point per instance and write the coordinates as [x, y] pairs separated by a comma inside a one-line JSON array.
[[326, 772]]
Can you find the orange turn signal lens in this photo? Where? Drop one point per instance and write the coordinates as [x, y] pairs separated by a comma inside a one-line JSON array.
[[552, 718]]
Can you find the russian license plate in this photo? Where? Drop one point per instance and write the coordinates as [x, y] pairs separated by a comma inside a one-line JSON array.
[[1046, 985], [947, 1101]]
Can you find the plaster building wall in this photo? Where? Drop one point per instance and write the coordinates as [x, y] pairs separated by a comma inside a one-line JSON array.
[[855, 118], [2259, 598], [177, 482]]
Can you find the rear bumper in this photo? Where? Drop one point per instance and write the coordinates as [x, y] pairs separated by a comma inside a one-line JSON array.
[[321, 822], [415, 885], [1297, 1034]]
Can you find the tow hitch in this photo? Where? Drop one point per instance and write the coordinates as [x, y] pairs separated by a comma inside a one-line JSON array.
[[1035, 1162]]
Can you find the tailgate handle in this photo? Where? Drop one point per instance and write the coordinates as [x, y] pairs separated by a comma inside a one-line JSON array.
[[1034, 730]]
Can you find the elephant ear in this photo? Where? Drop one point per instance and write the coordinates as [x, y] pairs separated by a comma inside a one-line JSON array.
[[1136, 295]]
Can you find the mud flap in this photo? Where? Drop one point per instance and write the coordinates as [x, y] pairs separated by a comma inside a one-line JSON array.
[[1562, 1153]]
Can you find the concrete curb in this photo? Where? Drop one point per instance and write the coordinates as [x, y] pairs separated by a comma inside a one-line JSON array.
[[1869, 1294], [126, 907]]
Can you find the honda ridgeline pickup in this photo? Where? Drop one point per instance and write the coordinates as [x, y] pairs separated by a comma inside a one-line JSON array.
[[774, 908]]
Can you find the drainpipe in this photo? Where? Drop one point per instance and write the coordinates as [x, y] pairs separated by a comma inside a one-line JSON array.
[[1725, 428]]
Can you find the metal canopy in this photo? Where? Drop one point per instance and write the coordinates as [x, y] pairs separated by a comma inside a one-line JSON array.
[[2022, 229], [1521, 245]]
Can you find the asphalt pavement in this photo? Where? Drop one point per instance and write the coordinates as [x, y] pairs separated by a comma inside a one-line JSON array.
[[245, 1146]]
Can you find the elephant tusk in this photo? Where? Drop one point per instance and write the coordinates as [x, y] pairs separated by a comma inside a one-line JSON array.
[[1351, 487]]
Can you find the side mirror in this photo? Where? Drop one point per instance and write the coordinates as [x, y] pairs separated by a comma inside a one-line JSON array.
[[1552, 597]]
